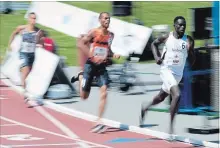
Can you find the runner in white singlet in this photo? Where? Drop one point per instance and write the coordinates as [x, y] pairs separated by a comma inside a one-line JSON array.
[[178, 48], [175, 54]]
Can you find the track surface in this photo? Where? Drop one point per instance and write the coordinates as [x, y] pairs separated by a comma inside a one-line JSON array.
[[22, 125]]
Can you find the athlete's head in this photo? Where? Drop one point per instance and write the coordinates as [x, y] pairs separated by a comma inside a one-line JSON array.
[[32, 18], [104, 19], [179, 24]]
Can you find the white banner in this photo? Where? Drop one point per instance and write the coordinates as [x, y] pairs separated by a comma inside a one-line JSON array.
[[43, 69], [74, 21], [42, 72], [11, 65]]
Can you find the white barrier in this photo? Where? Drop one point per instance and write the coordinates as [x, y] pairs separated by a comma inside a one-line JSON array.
[[74, 21], [42, 72], [11, 65]]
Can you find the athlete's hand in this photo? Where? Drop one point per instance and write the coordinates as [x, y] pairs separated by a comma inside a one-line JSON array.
[[159, 60]]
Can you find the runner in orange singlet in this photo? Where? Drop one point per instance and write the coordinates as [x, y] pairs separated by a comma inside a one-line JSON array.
[[100, 40]]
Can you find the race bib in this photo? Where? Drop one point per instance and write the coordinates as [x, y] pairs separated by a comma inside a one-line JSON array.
[[28, 47], [177, 60], [100, 52]]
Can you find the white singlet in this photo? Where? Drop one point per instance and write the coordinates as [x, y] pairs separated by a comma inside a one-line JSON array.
[[174, 53], [29, 40]]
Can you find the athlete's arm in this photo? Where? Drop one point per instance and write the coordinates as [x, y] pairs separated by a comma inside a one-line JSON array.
[[155, 50], [191, 52], [14, 33], [112, 54], [82, 43], [39, 35]]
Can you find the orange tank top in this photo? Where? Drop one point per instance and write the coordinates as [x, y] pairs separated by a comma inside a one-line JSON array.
[[99, 48]]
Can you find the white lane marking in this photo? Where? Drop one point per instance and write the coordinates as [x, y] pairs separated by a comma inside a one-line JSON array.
[[52, 133]]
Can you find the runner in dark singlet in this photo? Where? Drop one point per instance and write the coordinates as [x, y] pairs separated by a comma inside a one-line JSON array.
[[100, 40]]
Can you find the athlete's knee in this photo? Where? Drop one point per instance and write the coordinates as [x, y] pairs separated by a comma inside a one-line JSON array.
[[161, 98], [158, 98], [176, 96], [175, 92]]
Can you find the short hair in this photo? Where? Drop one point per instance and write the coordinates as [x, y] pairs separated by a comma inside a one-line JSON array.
[[31, 13], [178, 17], [100, 15]]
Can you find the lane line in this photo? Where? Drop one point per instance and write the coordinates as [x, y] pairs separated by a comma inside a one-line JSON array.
[[49, 132], [8, 125], [135, 129], [52, 119], [56, 122], [32, 145], [1, 98], [4, 146]]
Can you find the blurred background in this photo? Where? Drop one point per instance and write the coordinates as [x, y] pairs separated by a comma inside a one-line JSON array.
[[201, 86], [143, 13], [202, 24]]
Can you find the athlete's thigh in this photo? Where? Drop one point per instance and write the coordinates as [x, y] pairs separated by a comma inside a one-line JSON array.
[[169, 80], [27, 59], [103, 78]]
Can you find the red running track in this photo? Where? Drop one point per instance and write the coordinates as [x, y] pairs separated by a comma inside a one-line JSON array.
[[22, 126]]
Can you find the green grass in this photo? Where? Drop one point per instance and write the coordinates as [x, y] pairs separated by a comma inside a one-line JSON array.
[[151, 13]]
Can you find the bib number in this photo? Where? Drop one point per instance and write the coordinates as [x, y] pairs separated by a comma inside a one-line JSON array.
[[100, 52], [177, 60], [28, 47]]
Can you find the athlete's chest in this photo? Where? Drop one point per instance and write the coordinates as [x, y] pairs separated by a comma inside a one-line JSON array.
[[29, 37], [102, 40], [176, 45]]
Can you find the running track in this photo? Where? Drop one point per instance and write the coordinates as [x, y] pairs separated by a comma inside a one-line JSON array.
[[26, 127]]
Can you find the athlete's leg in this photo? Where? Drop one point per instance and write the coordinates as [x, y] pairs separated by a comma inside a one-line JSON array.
[[103, 101], [25, 68], [103, 81], [176, 95], [82, 59], [171, 82], [156, 100], [85, 81]]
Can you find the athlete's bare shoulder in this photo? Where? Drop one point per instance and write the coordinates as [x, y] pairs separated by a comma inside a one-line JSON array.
[[36, 29], [164, 37], [161, 39], [20, 27], [190, 42], [189, 38], [111, 33], [86, 38], [93, 32]]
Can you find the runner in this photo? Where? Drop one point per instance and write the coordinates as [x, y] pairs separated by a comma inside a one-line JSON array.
[[178, 46], [30, 37], [95, 66]]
